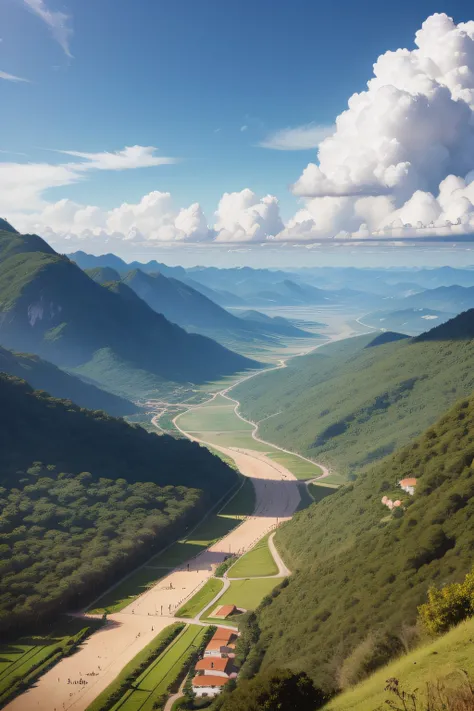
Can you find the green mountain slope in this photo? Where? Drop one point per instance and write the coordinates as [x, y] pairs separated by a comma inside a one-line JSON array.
[[50, 307], [348, 406], [85, 497], [443, 659], [42, 375], [361, 569]]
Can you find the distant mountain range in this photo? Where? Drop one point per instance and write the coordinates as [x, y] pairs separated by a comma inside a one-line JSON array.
[[50, 307], [191, 309]]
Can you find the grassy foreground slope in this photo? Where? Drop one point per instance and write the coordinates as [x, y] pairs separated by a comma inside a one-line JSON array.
[[85, 497], [443, 659], [358, 568], [349, 405]]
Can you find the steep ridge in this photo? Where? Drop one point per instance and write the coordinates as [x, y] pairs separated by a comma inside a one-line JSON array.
[[360, 569], [348, 406], [42, 375], [50, 307]]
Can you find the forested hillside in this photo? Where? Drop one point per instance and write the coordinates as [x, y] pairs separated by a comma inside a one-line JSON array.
[[50, 307], [348, 405], [42, 375], [84, 497], [360, 570]]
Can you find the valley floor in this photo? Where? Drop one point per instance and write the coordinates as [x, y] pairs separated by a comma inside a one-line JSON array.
[[127, 632]]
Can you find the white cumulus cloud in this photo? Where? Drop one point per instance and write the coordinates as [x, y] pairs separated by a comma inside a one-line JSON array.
[[399, 140], [243, 217]]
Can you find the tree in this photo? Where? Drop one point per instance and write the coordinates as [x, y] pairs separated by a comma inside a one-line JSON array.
[[275, 690]]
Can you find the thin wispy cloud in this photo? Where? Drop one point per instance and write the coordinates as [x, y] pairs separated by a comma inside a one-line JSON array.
[[58, 22], [128, 158], [11, 77], [300, 138]]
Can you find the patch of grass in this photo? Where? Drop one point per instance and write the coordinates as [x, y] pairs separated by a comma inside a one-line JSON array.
[[243, 503], [240, 440], [319, 492], [163, 672], [246, 594], [28, 657], [213, 418], [297, 466], [256, 563], [202, 598], [440, 659]]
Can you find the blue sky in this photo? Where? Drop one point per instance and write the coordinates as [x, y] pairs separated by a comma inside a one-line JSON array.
[[204, 81]]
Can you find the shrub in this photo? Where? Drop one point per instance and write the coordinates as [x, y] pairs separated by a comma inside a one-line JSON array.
[[448, 606]]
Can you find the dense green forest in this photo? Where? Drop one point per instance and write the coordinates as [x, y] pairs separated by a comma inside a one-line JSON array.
[[63, 536], [50, 307], [349, 404], [360, 571], [85, 497]]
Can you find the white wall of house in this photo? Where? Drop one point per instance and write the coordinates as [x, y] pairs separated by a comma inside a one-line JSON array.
[[207, 690]]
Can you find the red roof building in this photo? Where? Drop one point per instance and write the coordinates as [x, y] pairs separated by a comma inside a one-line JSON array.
[[225, 611], [208, 680], [208, 665]]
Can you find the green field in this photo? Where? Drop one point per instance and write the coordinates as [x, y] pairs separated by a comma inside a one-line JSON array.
[[318, 492], [301, 468], [257, 562], [445, 657], [213, 418], [202, 598], [155, 681], [246, 594], [29, 656]]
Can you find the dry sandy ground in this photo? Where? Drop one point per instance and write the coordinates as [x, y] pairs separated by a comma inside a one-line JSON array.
[[106, 652]]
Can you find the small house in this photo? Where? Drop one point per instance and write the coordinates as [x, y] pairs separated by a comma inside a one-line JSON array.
[[408, 485], [215, 666]]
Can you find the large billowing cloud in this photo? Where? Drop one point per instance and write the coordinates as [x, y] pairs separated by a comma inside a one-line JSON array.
[[241, 217], [385, 165]]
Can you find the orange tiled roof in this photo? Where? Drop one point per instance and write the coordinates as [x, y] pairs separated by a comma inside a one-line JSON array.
[[209, 680], [208, 664]]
